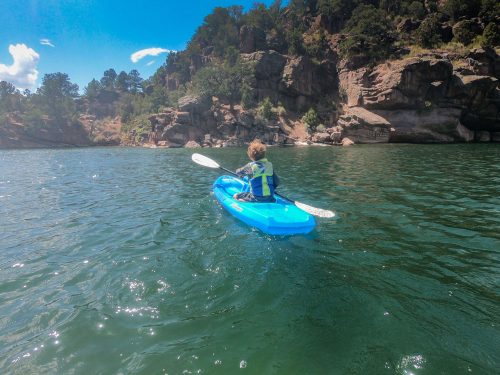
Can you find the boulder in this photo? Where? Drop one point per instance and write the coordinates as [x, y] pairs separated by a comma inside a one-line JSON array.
[[183, 118], [435, 125], [347, 142], [177, 133], [193, 104], [267, 65], [298, 77], [484, 61], [363, 126], [396, 84], [322, 137], [192, 144], [482, 136]]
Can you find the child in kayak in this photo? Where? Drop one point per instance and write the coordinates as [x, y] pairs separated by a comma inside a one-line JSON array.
[[260, 173]]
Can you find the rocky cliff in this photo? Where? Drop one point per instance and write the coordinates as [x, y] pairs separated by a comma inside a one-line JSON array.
[[428, 98], [87, 131], [438, 97]]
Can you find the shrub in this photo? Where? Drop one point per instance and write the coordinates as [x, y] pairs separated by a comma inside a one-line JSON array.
[[461, 8], [311, 119], [280, 110], [369, 34], [463, 32], [490, 11], [416, 10], [320, 128], [265, 109], [427, 35], [491, 35], [247, 98]]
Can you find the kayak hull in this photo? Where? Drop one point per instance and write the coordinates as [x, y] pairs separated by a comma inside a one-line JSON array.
[[279, 218]]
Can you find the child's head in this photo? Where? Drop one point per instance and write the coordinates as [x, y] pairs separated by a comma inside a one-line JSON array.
[[256, 150]]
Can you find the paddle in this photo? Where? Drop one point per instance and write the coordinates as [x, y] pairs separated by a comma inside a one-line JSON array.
[[207, 162]]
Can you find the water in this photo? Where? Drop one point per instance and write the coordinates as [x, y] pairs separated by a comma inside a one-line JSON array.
[[120, 261]]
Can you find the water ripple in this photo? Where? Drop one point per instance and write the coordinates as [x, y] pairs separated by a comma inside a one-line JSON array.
[[121, 261]]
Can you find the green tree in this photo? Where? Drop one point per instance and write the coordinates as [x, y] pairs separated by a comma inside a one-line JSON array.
[[337, 11], [122, 82], [428, 33], [490, 11], [247, 97], [219, 30], [369, 34], [91, 91], [461, 8], [295, 42], [311, 119], [57, 94], [463, 32], [135, 81], [261, 17], [265, 109], [491, 35], [223, 81], [7, 91], [416, 10], [178, 64], [108, 79]]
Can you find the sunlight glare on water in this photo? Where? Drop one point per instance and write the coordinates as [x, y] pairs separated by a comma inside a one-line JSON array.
[[121, 261]]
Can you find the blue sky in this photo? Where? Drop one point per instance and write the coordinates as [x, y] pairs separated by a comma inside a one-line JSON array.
[[83, 38]]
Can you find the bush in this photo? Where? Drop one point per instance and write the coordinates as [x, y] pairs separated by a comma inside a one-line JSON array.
[[280, 110], [491, 35], [463, 32], [265, 109], [320, 128], [428, 33], [311, 119], [247, 98], [490, 11], [461, 8], [369, 34], [416, 10]]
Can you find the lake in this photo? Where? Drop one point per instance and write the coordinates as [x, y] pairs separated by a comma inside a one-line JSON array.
[[121, 261]]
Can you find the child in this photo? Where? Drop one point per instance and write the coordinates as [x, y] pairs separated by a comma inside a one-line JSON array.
[[260, 172]]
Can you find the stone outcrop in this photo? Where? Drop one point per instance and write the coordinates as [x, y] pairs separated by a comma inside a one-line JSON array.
[[363, 126], [197, 123], [297, 82], [15, 134], [422, 99]]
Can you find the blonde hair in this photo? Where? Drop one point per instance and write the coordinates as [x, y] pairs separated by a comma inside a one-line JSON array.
[[256, 150]]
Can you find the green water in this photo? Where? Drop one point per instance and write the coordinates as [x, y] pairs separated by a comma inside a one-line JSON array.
[[120, 261]]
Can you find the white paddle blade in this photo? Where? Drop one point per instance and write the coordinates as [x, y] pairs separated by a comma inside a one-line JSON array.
[[203, 160], [315, 211]]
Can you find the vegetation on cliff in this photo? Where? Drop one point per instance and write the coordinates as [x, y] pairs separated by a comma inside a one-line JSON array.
[[361, 32]]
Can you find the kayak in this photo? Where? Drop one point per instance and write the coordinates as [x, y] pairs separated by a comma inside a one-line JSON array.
[[278, 218]]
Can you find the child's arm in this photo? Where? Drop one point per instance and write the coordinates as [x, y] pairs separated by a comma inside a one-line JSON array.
[[246, 170]]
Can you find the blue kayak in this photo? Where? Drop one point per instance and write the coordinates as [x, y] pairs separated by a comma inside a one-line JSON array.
[[281, 217]]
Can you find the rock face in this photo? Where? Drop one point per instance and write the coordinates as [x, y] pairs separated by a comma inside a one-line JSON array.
[[196, 123], [297, 82], [422, 99], [15, 134], [439, 97], [363, 126]]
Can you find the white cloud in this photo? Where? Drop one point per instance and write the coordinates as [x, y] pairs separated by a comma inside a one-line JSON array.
[[150, 63], [136, 56], [22, 73], [46, 42]]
